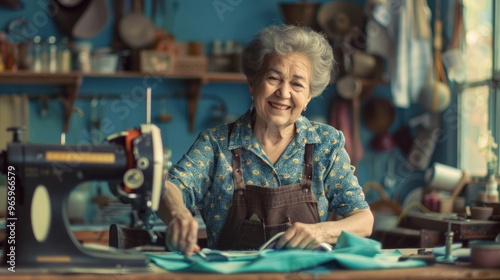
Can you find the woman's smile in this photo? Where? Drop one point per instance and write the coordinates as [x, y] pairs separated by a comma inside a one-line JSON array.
[[279, 106]]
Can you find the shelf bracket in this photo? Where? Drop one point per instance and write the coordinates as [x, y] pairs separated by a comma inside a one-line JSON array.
[[69, 97], [193, 97]]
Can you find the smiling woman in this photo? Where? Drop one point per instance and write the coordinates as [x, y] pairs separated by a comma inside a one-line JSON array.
[[272, 170], [280, 95]]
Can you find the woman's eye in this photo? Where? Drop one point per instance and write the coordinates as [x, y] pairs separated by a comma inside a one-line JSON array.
[[273, 79], [298, 85]]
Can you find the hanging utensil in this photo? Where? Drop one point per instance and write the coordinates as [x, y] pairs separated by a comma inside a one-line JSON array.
[[136, 30], [118, 6], [163, 116], [440, 90], [94, 121], [390, 178]]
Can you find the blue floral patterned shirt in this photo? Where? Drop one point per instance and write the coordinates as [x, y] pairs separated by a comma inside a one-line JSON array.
[[204, 174]]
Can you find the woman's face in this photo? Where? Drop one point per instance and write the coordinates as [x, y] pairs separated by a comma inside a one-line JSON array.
[[283, 90]]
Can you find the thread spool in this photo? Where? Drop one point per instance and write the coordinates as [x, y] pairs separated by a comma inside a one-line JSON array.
[[447, 179], [443, 177]]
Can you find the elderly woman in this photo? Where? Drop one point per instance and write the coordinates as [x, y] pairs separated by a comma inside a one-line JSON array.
[[272, 170]]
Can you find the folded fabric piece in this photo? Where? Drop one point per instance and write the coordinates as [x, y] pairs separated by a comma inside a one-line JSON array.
[[350, 252]]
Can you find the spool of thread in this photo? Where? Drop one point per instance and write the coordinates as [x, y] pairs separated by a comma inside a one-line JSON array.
[[443, 177]]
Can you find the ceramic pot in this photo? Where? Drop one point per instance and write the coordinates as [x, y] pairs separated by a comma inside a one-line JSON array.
[[481, 213], [485, 254]]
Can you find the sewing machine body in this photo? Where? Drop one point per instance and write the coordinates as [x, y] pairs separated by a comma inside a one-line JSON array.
[[43, 176]]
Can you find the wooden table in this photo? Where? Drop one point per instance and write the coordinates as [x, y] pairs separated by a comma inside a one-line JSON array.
[[100, 235], [431, 272], [464, 229], [97, 234]]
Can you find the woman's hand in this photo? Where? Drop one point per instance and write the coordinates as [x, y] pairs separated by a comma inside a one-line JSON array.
[[301, 236], [310, 236], [182, 234]]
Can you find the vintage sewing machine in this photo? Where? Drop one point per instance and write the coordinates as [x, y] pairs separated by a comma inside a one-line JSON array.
[[40, 178]]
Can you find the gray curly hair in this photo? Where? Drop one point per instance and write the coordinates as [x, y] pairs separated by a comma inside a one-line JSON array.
[[285, 39]]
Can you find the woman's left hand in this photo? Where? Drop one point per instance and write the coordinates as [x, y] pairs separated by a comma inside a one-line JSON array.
[[301, 236]]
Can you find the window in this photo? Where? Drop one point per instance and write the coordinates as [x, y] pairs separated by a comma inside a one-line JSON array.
[[477, 100]]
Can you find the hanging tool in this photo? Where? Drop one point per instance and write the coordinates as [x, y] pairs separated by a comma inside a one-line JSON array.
[[163, 116]]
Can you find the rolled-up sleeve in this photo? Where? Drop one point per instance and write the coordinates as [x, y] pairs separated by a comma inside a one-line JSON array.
[[342, 187], [192, 174]]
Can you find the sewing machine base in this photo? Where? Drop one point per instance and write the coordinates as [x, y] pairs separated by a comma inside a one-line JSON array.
[[88, 258]]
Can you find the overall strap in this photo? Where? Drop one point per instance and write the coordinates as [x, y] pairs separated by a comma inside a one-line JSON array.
[[308, 166], [239, 183]]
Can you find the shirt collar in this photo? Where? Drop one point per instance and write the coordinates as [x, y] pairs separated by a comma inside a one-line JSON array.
[[242, 135]]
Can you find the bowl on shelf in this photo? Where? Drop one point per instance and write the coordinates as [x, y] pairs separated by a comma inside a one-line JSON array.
[[481, 212], [105, 63]]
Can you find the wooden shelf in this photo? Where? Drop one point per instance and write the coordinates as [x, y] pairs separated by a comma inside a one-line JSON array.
[[28, 77], [207, 77], [70, 81], [73, 80], [225, 77]]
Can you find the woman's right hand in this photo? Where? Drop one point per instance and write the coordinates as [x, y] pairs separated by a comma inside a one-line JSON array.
[[182, 234]]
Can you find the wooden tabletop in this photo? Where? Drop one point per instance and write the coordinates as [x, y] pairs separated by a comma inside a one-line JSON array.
[[431, 272]]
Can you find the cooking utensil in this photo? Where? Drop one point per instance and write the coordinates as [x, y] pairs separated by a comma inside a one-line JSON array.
[[92, 21], [435, 95], [118, 7], [163, 116], [136, 30], [68, 14], [81, 18]]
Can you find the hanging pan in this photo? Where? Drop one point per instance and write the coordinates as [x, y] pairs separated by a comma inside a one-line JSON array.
[[136, 30]]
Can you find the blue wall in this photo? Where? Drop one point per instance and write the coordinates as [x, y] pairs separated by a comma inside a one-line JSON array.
[[195, 20], [198, 21]]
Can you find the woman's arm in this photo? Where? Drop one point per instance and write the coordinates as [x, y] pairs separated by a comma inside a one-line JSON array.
[[310, 236], [345, 196], [182, 228]]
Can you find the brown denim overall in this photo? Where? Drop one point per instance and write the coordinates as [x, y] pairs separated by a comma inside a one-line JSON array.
[[257, 213]]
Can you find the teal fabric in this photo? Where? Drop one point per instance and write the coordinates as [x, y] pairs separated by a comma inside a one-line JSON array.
[[351, 252]]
